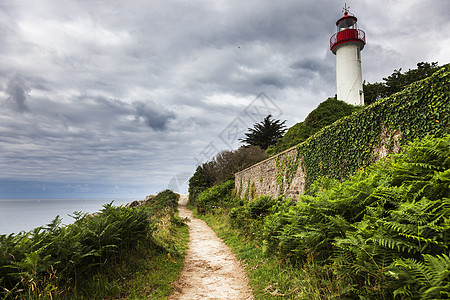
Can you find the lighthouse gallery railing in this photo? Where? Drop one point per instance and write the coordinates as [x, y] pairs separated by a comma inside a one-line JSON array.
[[347, 35]]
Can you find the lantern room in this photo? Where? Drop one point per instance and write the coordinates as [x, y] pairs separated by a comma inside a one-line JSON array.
[[347, 31]]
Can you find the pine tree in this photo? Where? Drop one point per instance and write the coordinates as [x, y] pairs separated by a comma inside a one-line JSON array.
[[265, 133]]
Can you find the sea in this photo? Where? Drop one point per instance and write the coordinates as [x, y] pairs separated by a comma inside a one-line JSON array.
[[26, 214]]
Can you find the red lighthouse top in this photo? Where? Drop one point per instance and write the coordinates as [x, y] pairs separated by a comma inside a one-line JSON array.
[[347, 31]]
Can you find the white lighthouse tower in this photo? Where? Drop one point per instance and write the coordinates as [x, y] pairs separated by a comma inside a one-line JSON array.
[[347, 44]]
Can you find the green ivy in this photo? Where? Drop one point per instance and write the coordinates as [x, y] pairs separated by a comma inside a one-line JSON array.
[[286, 168], [341, 149], [253, 193], [325, 114]]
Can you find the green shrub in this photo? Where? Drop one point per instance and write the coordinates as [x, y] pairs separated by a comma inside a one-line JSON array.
[[218, 196], [164, 199], [199, 182], [56, 260], [249, 218], [259, 207], [380, 227], [325, 114]]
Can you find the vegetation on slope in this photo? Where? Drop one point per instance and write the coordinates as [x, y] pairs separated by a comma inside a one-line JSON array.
[[383, 233], [118, 252], [397, 81], [332, 110], [223, 167], [350, 144], [325, 114]]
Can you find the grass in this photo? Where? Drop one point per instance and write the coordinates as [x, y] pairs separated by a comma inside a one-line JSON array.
[[119, 253], [270, 276], [151, 275]]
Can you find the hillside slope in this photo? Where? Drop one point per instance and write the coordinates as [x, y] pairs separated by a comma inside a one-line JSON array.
[[325, 114]]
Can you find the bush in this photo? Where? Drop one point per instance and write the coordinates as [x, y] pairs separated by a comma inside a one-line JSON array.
[[397, 81], [198, 183], [222, 168], [382, 229], [325, 114], [164, 199], [218, 196], [54, 260]]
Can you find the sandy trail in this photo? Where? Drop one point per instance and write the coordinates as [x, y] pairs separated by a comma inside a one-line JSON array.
[[211, 271]]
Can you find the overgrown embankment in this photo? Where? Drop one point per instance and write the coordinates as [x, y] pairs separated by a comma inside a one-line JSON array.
[[373, 225], [384, 233], [354, 142], [117, 253]]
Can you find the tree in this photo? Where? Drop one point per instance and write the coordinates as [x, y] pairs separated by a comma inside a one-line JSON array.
[[397, 81], [265, 133], [228, 162], [325, 114], [200, 181], [222, 167]]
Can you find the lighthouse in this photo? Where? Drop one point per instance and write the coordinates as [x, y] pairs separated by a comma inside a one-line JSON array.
[[347, 44]]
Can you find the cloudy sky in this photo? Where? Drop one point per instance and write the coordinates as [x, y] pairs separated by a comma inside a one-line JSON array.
[[106, 98]]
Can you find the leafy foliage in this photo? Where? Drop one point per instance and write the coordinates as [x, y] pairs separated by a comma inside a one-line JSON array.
[[199, 182], [221, 168], [428, 277], [56, 261], [384, 232], [325, 114], [164, 199], [265, 133], [397, 81], [226, 163], [344, 147], [216, 197]]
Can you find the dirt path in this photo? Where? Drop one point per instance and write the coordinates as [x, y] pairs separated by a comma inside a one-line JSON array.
[[211, 270]]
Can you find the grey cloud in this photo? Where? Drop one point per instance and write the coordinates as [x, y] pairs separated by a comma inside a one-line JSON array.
[[308, 64], [153, 116], [17, 91], [271, 80], [91, 66]]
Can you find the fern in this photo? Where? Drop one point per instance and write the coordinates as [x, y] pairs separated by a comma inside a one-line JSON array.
[[427, 279]]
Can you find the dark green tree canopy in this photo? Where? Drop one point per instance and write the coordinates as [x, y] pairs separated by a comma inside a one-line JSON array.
[[222, 167], [397, 81], [265, 133], [325, 114], [200, 181]]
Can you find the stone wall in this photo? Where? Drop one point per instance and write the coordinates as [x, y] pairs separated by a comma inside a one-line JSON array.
[[279, 175], [283, 174], [354, 142]]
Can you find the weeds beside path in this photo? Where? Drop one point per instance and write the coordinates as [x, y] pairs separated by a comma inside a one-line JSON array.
[[211, 271]]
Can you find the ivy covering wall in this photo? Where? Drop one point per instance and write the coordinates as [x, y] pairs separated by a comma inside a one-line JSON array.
[[356, 141], [342, 148]]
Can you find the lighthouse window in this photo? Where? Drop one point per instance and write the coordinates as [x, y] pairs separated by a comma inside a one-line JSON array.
[[358, 54], [346, 24]]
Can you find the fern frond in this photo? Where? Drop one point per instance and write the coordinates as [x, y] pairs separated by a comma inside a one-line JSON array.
[[396, 244], [432, 275]]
